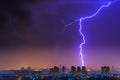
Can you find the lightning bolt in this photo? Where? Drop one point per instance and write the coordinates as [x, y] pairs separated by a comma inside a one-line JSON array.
[[80, 29]]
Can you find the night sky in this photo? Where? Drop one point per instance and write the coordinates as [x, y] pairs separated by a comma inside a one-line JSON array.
[[32, 33]]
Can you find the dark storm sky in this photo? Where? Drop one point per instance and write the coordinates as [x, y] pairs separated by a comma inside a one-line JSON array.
[[40, 24]]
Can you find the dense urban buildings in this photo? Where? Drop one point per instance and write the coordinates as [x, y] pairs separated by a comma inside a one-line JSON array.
[[60, 73]]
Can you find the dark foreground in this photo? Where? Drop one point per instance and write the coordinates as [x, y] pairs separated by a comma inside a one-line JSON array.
[[57, 73], [63, 77]]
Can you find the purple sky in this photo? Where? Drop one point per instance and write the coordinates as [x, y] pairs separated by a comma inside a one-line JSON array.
[[36, 27]]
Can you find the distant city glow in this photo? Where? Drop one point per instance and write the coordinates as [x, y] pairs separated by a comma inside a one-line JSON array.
[[37, 38]]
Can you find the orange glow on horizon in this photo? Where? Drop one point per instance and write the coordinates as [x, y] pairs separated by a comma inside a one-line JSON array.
[[35, 59]]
